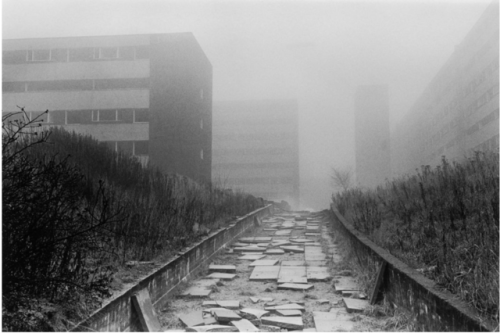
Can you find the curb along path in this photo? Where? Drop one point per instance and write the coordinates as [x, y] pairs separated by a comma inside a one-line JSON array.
[[280, 278]]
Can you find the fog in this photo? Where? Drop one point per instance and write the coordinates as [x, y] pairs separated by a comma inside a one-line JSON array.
[[316, 52]]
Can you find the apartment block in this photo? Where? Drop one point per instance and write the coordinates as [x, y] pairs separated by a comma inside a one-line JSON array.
[[255, 148], [146, 95], [458, 111]]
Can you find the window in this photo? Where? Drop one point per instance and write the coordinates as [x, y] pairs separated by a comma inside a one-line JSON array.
[[95, 115], [107, 115], [108, 53], [126, 115], [58, 117], [81, 54], [127, 53], [111, 145], [14, 57], [141, 148], [43, 116], [40, 55], [201, 123], [104, 84], [141, 116], [142, 52], [60, 55], [79, 116], [201, 154], [60, 85], [13, 87]]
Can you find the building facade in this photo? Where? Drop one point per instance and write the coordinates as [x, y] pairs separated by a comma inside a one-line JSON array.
[[458, 111], [147, 95], [372, 135], [255, 148]]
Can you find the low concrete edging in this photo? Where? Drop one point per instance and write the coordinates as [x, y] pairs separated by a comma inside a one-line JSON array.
[[118, 315], [434, 309]]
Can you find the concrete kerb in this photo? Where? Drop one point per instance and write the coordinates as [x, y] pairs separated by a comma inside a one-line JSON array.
[[434, 309], [118, 315]]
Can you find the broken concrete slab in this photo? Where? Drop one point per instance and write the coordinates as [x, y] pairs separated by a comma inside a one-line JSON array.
[[262, 239], [294, 323], [295, 286], [265, 273], [355, 305], [332, 321], [212, 328], [290, 306], [292, 274], [248, 249], [210, 320], [254, 299], [267, 299], [301, 240], [274, 251], [244, 325], [252, 257], [283, 232], [323, 301], [262, 244], [317, 273], [289, 313], [200, 288], [264, 263], [224, 315], [222, 268], [221, 276], [232, 305], [348, 293], [194, 318], [250, 313]]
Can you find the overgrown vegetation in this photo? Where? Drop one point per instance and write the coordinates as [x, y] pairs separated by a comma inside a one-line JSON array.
[[443, 221], [74, 211]]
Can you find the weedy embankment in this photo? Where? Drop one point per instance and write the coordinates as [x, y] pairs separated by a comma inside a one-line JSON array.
[[443, 221], [74, 212]]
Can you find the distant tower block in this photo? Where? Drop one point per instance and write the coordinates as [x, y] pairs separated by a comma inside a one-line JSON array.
[[372, 135]]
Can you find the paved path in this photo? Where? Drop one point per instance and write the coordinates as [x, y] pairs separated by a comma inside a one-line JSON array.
[[280, 278]]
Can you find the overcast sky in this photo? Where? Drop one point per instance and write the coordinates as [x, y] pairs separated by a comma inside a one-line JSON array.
[[314, 51]]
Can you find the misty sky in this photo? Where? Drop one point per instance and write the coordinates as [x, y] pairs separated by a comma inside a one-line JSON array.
[[314, 51]]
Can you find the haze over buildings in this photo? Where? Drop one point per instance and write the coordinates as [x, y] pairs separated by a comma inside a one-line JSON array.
[[314, 52]]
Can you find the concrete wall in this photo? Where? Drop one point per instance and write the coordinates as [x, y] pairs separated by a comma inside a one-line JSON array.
[[118, 315], [434, 309]]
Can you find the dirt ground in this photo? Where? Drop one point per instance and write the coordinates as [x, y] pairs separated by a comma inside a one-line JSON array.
[[373, 318]]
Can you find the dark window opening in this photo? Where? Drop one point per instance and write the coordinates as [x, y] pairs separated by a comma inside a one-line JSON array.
[[79, 116], [126, 147], [13, 87], [107, 115], [58, 117], [126, 115], [141, 116], [127, 53], [81, 54], [40, 55], [108, 53], [60, 55], [142, 52], [110, 144], [13, 57], [60, 85], [122, 84], [141, 148]]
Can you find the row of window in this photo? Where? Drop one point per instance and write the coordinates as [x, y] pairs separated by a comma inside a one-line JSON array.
[[78, 85], [136, 148], [252, 166], [253, 151], [61, 117], [261, 180], [76, 54]]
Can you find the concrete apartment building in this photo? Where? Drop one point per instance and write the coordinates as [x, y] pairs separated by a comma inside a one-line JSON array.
[[458, 111], [255, 148], [372, 135], [147, 95]]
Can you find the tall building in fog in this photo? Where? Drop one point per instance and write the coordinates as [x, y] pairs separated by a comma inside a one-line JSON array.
[[255, 148], [372, 135], [458, 111], [148, 95]]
